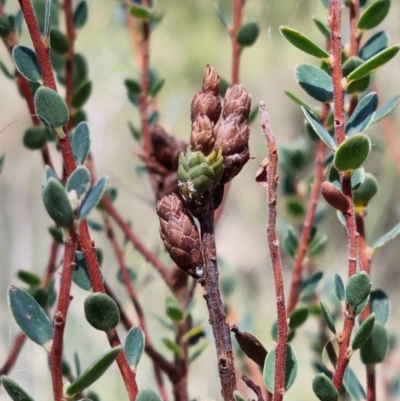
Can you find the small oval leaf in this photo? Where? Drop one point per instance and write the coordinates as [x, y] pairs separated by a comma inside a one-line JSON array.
[[57, 204], [358, 288], [374, 45], [373, 64], [393, 233], [322, 27], [375, 348], [80, 275], [290, 369], [58, 42], [30, 317], [93, 197], [298, 317], [362, 115], [35, 137], [79, 181], [50, 108], [338, 287], [14, 390], [383, 111], [80, 14], [380, 306], [27, 63], [173, 310], [324, 388], [352, 153], [373, 15], [328, 317], [147, 394], [303, 43], [81, 94], [316, 82], [80, 142], [309, 285], [248, 34], [366, 191], [101, 311], [94, 372], [319, 129], [363, 332], [134, 345]]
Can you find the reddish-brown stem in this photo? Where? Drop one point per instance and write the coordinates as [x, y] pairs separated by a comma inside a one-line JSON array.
[[19, 341], [354, 7], [250, 384], [215, 306], [148, 255], [43, 54], [308, 221], [273, 244], [51, 264], [236, 48], [55, 356], [371, 383], [336, 72], [69, 58]]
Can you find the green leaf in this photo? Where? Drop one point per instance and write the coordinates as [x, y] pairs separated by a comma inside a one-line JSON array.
[[322, 27], [80, 142], [81, 95], [2, 158], [57, 204], [172, 346], [132, 275], [136, 133], [5, 26], [393, 233], [221, 15], [5, 71], [319, 129], [383, 111], [14, 390], [358, 288], [373, 64], [140, 12], [58, 42], [27, 63], [156, 88], [248, 34], [317, 246], [380, 306], [328, 317], [298, 317], [363, 332], [81, 14], [29, 277], [309, 285], [79, 181], [357, 178], [198, 352], [348, 67], [299, 101], [362, 115], [338, 287], [373, 15], [374, 45], [134, 345], [35, 137], [352, 153], [94, 372], [330, 353], [353, 386], [375, 348], [93, 197], [80, 274], [366, 191], [147, 394], [50, 108], [290, 242], [30, 317], [290, 369], [80, 70], [101, 311], [316, 82], [303, 43], [173, 310], [324, 389]]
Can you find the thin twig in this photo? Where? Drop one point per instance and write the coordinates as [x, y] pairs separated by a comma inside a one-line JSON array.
[[236, 48], [250, 384], [273, 244], [55, 356], [308, 221], [371, 383], [15, 350], [215, 306], [336, 72]]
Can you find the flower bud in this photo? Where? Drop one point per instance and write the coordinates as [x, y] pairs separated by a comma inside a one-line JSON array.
[[202, 137], [335, 197], [211, 81], [237, 102], [180, 235]]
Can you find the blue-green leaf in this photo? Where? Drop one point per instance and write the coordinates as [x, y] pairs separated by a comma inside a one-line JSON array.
[[352, 152], [319, 129], [338, 287], [248, 34], [330, 322], [14, 390], [101, 311], [81, 94], [383, 111], [30, 317], [27, 63], [80, 14], [93, 197], [147, 394], [322, 27], [80, 275], [363, 114], [358, 288], [81, 142], [353, 386], [134, 345], [316, 82], [363, 332], [299, 101], [310, 284], [393, 233], [380, 306], [324, 388], [374, 45], [50, 108], [79, 181], [47, 18], [94, 372], [375, 349]]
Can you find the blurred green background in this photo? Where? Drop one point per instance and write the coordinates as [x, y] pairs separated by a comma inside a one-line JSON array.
[[189, 37]]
